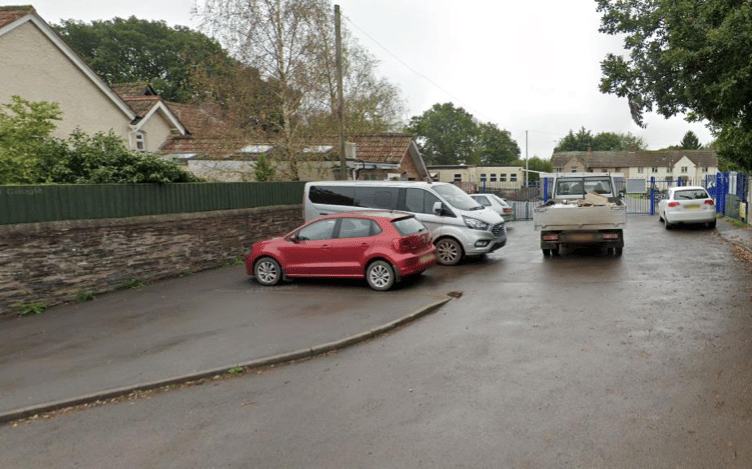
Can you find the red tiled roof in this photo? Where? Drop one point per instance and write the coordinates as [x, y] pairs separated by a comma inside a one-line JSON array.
[[132, 89], [142, 104], [202, 120], [381, 148], [10, 13]]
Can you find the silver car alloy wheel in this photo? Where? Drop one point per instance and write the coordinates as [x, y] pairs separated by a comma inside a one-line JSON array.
[[379, 275], [448, 251], [267, 272]]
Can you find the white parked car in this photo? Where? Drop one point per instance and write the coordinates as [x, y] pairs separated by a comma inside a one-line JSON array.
[[688, 204], [495, 203]]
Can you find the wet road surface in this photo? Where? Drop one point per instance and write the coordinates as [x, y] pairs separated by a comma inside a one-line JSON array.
[[582, 360]]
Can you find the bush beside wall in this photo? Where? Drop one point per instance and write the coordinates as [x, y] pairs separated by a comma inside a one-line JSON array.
[[53, 262]]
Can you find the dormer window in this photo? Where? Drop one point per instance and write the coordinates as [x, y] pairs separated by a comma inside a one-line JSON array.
[[140, 141]]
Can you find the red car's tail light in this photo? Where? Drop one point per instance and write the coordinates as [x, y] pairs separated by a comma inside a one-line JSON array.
[[709, 202], [402, 245], [553, 237], [673, 204], [409, 243]]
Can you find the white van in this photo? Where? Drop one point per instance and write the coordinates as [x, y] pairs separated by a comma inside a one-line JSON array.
[[459, 225]]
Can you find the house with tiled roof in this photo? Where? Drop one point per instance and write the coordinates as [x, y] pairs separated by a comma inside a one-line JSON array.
[[689, 166], [368, 157], [37, 65]]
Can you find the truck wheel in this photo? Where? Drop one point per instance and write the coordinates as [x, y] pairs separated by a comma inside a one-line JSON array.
[[618, 251], [546, 252], [449, 251]]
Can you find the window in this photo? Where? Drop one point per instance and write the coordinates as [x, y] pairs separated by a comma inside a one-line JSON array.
[[482, 178], [668, 169], [376, 197], [323, 229], [357, 228], [558, 170], [669, 178], [704, 170], [332, 195], [493, 177], [483, 200], [574, 170], [654, 169], [419, 201], [513, 177], [684, 169], [140, 141], [640, 169], [409, 226], [457, 178], [503, 177]]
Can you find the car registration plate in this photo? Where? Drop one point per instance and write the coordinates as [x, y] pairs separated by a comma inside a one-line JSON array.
[[582, 237], [426, 258], [692, 206]]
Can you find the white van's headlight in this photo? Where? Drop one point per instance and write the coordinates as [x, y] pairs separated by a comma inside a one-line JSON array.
[[475, 224]]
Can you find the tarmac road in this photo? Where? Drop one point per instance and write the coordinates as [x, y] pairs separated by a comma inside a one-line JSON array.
[[574, 361]]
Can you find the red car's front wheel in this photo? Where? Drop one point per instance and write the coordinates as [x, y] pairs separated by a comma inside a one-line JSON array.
[[267, 271]]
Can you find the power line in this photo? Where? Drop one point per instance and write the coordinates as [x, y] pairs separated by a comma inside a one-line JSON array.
[[421, 75]]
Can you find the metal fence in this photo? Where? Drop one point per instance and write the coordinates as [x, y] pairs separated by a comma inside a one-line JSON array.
[[42, 203], [522, 199]]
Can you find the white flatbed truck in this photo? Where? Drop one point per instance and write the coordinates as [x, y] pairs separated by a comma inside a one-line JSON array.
[[585, 209]]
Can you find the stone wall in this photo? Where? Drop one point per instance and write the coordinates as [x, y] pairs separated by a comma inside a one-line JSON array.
[[55, 262]]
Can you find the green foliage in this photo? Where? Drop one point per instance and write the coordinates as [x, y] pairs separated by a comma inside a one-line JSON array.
[[264, 170], [24, 129], [495, 147], [605, 141], [132, 283], [84, 296], [105, 159], [535, 164], [690, 141], [30, 309], [236, 370], [134, 50], [448, 135], [685, 57]]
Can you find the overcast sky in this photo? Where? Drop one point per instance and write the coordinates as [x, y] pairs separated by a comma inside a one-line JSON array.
[[525, 66]]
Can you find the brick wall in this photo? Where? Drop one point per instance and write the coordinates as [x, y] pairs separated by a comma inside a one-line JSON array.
[[53, 262]]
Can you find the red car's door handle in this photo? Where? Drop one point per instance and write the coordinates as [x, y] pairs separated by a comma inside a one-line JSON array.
[[324, 246]]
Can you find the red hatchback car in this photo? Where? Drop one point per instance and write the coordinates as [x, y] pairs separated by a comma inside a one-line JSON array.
[[382, 246]]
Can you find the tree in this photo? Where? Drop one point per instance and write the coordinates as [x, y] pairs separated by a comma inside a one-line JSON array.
[[535, 164], [25, 127], [605, 141], [134, 50], [495, 147], [685, 57], [291, 42], [264, 171], [571, 142], [690, 141], [104, 159], [446, 135]]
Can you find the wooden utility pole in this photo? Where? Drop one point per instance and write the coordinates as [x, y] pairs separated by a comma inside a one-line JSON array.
[[340, 95]]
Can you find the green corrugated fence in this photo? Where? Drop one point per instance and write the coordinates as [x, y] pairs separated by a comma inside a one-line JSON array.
[[32, 204]]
